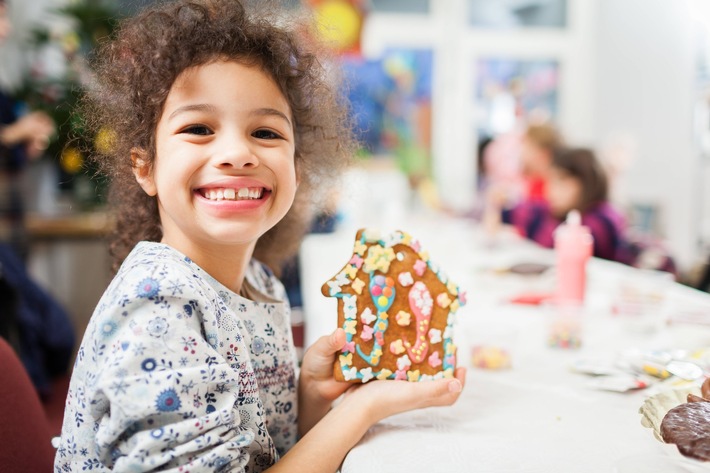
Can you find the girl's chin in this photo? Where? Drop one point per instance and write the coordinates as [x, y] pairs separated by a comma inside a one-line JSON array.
[[559, 214]]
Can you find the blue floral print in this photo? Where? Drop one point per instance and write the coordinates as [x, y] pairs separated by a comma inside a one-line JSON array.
[[148, 287], [168, 401], [158, 327], [108, 329], [178, 373], [257, 345]]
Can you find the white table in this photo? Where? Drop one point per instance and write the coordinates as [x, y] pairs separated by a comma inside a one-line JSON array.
[[538, 416]]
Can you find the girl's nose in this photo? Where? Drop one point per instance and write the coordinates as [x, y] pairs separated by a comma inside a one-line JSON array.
[[235, 152]]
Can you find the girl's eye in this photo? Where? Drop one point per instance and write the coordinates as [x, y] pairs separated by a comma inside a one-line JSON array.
[[266, 135], [197, 130]]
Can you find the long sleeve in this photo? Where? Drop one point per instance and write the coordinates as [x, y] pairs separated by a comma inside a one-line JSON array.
[[165, 380], [12, 158]]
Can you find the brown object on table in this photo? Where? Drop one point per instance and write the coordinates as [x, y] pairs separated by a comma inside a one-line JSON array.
[[397, 309], [705, 389], [693, 398], [688, 427]]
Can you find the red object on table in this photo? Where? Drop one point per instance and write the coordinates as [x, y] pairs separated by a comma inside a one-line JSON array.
[[531, 298]]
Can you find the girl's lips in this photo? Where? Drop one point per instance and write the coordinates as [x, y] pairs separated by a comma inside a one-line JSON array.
[[223, 207], [233, 194]]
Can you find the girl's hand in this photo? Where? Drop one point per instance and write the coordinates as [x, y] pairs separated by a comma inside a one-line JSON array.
[[317, 368], [34, 129], [317, 389], [381, 399], [375, 400]]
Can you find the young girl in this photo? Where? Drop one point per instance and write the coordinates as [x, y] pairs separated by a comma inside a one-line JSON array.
[[576, 181], [223, 125]]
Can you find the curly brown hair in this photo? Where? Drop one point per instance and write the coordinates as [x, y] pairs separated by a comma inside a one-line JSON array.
[[136, 69]]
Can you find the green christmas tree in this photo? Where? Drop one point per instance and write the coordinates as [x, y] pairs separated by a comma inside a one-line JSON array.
[[93, 20]]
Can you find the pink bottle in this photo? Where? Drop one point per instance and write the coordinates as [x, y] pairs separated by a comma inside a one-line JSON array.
[[574, 246]]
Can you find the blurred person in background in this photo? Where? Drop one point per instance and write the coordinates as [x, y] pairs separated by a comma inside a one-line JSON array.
[[515, 170], [575, 181], [21, 138], [537, 147], [34, 324]]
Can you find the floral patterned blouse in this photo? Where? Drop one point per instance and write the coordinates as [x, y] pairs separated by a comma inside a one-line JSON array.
[[178, 373]]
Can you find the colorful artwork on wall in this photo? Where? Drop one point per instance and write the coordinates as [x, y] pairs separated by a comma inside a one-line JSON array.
[[390, 99]]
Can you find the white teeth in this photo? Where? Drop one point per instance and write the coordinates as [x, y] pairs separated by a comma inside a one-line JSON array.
[[244, 193]]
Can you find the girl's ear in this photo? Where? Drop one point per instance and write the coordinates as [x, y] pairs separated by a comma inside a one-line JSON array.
[[143, 171]]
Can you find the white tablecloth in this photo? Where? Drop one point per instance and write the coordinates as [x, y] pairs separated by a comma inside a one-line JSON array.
[[538, 416]]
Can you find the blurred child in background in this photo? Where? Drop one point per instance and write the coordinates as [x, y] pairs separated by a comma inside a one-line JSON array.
[[514, 171], [537, 148], [576, 180]]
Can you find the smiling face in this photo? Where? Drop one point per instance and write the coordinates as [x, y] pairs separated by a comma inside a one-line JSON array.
[[224, 171]]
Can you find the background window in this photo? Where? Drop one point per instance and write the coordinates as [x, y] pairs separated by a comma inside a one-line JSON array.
[[400, 6], [508, 90], [501, 14]]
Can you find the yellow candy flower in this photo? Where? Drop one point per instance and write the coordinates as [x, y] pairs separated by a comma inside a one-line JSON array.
[[346, 360], [384, 374], [378, 259], [358, 284], [350, 271], [359, 248]]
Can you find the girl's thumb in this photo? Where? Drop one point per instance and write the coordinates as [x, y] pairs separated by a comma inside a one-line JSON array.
[[333, 342]]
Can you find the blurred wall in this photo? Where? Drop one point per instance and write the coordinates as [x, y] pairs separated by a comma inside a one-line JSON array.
[[644, 90]]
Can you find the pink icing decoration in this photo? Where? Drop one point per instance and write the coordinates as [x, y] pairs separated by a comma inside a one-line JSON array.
[[462, 297], [356, 261], [416, 246], [349, 347], [434, 360], [379, 338], [400, 374], [366, 332], [420, 305], [419, 267], [450, 360], [376, 291]]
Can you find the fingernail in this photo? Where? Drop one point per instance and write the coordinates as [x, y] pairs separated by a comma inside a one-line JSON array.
[[334, 337], [455, 386]]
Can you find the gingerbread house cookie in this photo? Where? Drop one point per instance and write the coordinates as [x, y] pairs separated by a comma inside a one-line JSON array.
[[397, 309]]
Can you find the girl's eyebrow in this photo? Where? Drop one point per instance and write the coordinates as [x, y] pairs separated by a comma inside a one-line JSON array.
[[271, 111], [199, 107]]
